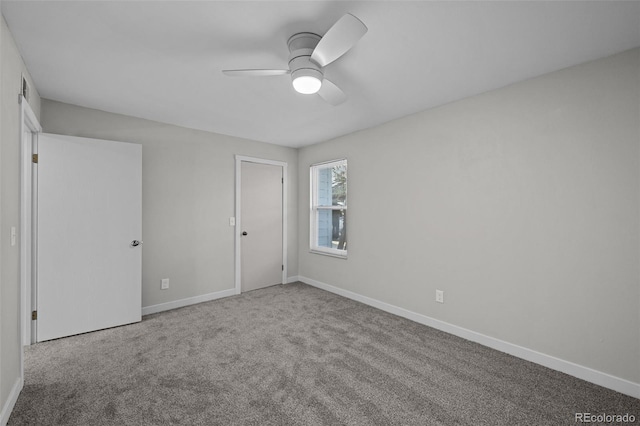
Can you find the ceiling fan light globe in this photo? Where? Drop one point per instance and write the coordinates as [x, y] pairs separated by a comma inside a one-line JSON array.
[[307, 84], [306, 80]]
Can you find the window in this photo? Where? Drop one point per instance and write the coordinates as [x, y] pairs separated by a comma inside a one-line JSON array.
[[329, 208]]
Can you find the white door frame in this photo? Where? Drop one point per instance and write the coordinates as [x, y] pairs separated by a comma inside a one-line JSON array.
[[238, 255], [28, 147]]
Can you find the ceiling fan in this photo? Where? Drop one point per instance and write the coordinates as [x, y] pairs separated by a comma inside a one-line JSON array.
[[310, 53]]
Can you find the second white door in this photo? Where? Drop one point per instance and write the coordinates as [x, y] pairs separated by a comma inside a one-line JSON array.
[[261, 225]]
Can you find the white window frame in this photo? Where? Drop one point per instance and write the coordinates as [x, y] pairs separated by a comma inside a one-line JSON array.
[[313, 220]]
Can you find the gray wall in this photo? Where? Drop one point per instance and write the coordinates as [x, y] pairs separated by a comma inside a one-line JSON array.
[[522, 204], [187, 197], [11, 69]]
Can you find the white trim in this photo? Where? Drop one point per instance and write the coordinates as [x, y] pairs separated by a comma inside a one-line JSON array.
[[28, 122], [293, 279], [238, 213], [11, 401], [30, 116], [329, 252], [161, 307], [585, 373], [28, 254]]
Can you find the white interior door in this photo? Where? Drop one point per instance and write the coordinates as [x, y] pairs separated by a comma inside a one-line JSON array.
[[261, 215], [89, 212]]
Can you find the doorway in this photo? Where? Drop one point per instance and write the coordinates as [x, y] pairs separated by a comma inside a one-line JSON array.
[[261, 223], [28, 199]]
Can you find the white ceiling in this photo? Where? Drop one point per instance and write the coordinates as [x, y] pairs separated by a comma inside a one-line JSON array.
[[163, 60]]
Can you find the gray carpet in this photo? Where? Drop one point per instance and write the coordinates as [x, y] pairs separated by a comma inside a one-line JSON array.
[[293, 355]]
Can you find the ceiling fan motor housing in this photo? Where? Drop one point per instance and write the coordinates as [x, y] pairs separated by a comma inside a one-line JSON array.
[[301, 47]]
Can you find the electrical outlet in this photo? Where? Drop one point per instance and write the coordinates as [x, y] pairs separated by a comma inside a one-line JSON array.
[[165, 284], [439, 296], [232, 221], [13, 235]]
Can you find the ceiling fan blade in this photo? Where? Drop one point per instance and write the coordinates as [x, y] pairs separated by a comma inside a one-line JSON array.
[[254, 73], [331, 93], [338, 40]]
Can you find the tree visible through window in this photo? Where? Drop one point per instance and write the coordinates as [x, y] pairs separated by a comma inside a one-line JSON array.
[[329, 208]]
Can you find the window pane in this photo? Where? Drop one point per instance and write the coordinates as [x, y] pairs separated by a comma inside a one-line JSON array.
[[332, 185], [332, 229]]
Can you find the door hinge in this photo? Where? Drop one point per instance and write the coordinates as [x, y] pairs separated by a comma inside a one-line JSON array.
[[34, 158], [283, 267], [282, 180], [34, 315]]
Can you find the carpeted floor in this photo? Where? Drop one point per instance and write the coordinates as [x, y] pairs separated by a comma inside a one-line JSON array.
[[293, 355]]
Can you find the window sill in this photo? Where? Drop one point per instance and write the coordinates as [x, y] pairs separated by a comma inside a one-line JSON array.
[[324, 253]]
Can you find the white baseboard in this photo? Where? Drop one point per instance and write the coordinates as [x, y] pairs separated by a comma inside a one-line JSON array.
[[154, 309], [585, 373], [11, 401], [147, 310]]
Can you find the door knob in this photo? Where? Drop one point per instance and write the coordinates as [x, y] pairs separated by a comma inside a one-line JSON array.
[[244, 233], [135, 243]]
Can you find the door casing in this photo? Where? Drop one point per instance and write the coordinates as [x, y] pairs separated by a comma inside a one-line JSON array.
[[30, 128], [238, 216]]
